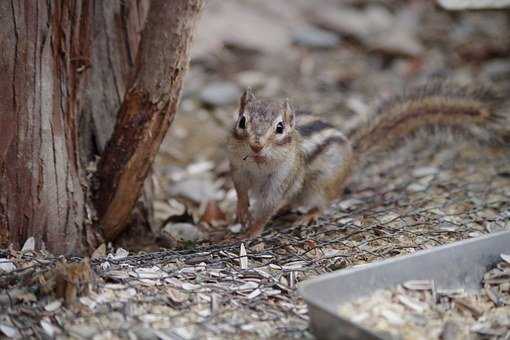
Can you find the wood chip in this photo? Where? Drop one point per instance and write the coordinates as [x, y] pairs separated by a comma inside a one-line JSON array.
[[243, 257], [53, 306], [419, 285]]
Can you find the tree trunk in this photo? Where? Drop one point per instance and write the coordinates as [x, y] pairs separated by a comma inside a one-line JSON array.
[[116, 28], [45, 51], [66, 66], [147, 111]]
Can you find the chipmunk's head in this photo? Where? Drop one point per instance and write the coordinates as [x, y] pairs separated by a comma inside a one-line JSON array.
[[266, 127]]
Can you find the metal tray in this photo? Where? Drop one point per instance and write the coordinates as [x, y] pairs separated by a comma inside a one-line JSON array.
[[457, 265]]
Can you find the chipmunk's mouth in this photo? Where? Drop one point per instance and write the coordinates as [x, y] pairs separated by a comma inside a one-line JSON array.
[[256, 158]]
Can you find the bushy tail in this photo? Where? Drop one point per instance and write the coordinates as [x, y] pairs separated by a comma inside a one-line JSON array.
[[475, 112]]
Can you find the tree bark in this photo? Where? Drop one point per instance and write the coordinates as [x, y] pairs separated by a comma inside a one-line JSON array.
[[45, 52], [58, 78], [116, 28], [147, 110]]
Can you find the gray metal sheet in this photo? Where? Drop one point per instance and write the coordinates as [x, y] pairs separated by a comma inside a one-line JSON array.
[[458, 265]]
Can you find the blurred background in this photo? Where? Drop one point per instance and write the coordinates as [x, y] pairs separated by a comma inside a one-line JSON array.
[[336, 58]]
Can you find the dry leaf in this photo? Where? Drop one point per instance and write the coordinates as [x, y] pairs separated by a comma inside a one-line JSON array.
[[29, 245], [99, 252]]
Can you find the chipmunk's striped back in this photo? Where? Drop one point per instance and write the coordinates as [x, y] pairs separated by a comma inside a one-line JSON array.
[[317, 135]]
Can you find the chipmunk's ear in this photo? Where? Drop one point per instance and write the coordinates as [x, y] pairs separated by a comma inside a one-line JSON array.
[[245, 99], [288, 113]]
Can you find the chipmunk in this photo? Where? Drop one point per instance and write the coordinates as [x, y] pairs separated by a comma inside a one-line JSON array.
[[285, 159]]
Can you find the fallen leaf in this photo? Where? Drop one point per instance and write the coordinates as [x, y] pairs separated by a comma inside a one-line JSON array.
[[99, 252], [29, 245]]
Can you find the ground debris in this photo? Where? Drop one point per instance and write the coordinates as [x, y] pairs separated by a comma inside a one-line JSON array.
[[424, 194], [411, 311]]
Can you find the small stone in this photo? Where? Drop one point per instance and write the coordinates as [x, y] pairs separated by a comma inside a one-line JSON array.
[[235, 228], [198, 189], [220, 93], [359, 24], [315, 38], [83, 331], [184, 232], [252, 79], [498, 69], [397, 42], [53, 306], [120, 253], [425, 171], [473, 4]]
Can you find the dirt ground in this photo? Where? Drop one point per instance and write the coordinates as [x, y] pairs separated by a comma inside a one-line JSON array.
[[338, 59]]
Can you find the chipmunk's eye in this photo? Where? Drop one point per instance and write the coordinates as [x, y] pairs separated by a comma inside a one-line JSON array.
[[279, 127], [242, 123]]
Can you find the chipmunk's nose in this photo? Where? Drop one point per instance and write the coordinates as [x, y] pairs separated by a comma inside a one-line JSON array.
[[256, 147]]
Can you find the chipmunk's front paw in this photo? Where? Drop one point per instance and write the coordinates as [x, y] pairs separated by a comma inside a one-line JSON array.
[[309, 217]]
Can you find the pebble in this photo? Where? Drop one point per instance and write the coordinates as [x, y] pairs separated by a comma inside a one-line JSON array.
[[184, 232], [315, 38], [83, 331], [145, 333], [375, 27], [498, 69], [473, 4], [253, 79], [220, 93], [198, 189]]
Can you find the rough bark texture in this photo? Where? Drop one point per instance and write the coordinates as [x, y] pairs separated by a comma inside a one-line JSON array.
[[116, 28], [66, 66], [45, 51], [147, 110]]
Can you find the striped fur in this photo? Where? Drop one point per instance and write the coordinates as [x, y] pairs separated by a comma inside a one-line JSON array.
[[317, 135], [308, 164], [476, 112]]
